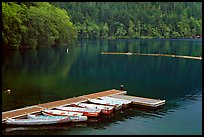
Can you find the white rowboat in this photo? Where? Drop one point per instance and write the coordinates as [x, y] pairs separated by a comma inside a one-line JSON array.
[[123, 101], [60, 113], [85, 111], [72, 118], [104, 109], [117, 105], [11, 121]]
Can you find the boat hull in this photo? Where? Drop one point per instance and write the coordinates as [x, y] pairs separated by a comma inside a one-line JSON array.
[[91, 114], [85, 111], [60, 113], [36, 121], [116, 106], [125, 103], [104, 109], [72, 118]]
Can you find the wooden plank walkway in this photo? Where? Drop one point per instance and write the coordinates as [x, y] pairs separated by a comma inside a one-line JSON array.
[[141, 100], [22, 112], [143, 54]]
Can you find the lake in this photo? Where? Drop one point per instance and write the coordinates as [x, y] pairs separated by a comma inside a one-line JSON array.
[[50, 74]]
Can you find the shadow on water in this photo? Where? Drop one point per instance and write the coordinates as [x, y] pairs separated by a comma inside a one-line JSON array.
[[35, 75]]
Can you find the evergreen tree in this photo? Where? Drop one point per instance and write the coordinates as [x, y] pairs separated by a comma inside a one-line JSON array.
[[131, 29]]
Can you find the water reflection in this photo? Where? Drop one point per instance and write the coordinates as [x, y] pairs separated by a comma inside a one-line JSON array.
[[49, 74], [158, 77], [34, 75]]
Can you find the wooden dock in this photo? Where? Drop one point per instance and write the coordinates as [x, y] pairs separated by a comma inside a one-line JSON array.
[[22, 112], [143, 54]]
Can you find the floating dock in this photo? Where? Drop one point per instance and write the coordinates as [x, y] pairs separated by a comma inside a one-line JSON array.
[[22, 112], [143, 54]]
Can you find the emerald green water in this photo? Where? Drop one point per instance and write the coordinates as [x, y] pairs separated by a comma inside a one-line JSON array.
[[49, 74]]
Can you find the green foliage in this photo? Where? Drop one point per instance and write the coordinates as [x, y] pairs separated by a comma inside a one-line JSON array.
[[131, 29], [120, 31], [35, 24], [136, 19], [104, 30], [12, 26], [93, 30]]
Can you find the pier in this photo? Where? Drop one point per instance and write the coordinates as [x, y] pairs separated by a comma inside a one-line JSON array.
[[22, 112], [144, 54]]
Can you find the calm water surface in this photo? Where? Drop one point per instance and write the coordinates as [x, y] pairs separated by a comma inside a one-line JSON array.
[[50, 74]]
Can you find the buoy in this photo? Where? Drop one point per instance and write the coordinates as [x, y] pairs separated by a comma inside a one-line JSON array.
[[8, 91], [67, 50], [121, 87]]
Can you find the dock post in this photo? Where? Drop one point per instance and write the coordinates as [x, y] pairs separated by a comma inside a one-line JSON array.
[[122, 87]]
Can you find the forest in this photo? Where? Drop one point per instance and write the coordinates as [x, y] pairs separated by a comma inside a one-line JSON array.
[[36, 24], [135, 19]]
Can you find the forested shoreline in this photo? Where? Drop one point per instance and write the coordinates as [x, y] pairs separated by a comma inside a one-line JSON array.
[[37, 24], [135, 19]]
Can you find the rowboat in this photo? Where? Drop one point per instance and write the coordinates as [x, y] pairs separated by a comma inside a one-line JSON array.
[[123, 101], [104, 109], [72, 118], [85, 111], [60, 113], [117, 105], [11, 121]]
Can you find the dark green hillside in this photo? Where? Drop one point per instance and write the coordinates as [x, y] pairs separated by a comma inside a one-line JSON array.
[[135, 19]]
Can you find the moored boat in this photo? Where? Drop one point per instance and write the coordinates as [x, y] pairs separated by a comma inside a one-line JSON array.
[[78, 118], [104, 109], [117, 105], [11, 121], [60, 113], [85, 111], [72, 118], [123, 101]]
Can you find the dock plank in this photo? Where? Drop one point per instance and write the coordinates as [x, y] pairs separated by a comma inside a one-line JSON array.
[[105, 93], [54, 104], [20, 112]]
